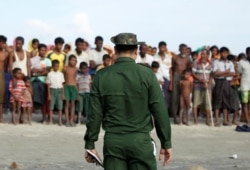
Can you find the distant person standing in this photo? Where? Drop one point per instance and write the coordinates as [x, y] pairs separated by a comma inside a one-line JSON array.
[[202, 73], [165, 61], [20, 58], [180, 63], [33, 47], [244, 70], [57, 53], [143, 57], [223, 71], [96, 54], [79, 52], [124, 97], [3, 60]]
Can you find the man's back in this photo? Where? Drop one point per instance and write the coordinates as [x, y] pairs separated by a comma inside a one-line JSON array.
[[124, 90]]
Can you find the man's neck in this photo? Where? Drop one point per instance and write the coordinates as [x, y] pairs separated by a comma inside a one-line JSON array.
[[19, 49], [162, 54], [57, 51], [78, 51], [98, 49]]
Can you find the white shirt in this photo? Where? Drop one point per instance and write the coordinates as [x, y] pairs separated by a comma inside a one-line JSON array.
[[148, 59], [22, 64], [83, 57], [83, 82], [244, 70], [222, 66], [165, 65], [96, 55], [55, 79]]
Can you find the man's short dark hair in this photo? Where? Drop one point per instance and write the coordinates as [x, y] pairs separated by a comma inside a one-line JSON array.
[[41, 46], [155, 64], [59, 40], [35, 40], [162, 43], [105, 56], [54, 62], [214, 47], [125, 48], [83, 64], [19, 38], [79, 40], [142, 46], [182, 46], [98, 38], [224, 49], [247, 50], [231, 57], [3, 38]]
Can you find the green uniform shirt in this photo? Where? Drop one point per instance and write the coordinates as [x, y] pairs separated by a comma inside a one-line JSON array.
[[123, 98]]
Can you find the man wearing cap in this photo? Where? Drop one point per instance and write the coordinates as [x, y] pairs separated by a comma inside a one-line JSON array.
[[123, 98]]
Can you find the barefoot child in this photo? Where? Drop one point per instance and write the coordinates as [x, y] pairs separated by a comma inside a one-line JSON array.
[[55, 80], [70, 90], [186, 87], [16, 89], [27, 99], [83, 83]]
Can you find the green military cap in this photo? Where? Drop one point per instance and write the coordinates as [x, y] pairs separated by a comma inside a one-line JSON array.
[[125, 39]]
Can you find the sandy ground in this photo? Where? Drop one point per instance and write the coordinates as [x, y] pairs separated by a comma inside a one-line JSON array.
[[50, 147]]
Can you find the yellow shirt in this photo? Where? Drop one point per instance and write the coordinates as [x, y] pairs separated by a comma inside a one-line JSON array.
[[60, 57]]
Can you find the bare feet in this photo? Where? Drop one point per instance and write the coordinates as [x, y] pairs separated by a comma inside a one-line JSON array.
[[225, 124], [217, 124]]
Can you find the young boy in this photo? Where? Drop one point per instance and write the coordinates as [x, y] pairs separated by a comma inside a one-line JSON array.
[[55, 80], [106, 62], [155, 67], [83, 83], [186, 88], [70, 89]]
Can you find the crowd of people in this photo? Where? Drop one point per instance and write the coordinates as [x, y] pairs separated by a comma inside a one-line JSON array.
[[57, 79]]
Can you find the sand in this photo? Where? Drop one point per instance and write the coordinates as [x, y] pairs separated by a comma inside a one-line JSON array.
[[50, 147]]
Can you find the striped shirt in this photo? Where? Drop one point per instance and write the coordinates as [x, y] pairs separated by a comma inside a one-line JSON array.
[[202, 71], [84, 82], [17, 90]]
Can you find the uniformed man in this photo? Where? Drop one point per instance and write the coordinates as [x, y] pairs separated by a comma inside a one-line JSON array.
[[123, 98]]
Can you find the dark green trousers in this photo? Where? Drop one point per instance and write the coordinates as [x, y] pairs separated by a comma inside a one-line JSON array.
[[133, 151]]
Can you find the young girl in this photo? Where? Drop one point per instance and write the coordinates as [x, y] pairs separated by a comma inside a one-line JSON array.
[[16, 88], [186, 87], [27, 99]]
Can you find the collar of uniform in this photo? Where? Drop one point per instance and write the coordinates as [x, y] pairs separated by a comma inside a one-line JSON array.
[[124, 59]]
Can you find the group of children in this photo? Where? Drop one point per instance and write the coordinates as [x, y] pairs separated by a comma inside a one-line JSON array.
[[71, 85]]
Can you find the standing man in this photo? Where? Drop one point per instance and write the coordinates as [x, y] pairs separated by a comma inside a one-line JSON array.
[[40, 67], [57, 53], [165, 61], [180, 63], [143, 57], [97, 53], [123, 99], [81, 55], [223, 71], [3, 60], [202, 72], [20, 58], [244, 70]]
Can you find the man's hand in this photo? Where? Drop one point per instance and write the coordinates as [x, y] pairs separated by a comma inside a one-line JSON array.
[[170, 88], [90, 158], [167, 154]]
